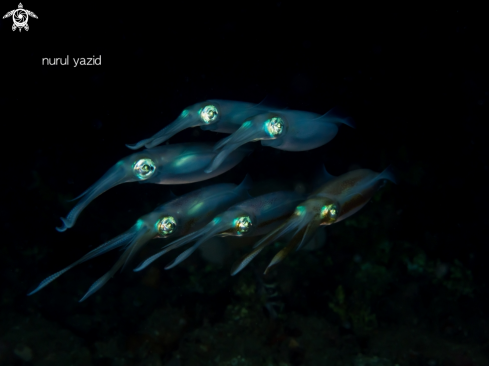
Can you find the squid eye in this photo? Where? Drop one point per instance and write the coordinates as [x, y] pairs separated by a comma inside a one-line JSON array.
[[242, 224], [299, 210], [209, 114], [329, 212], [144, 168], [166, 225], [275, 126]]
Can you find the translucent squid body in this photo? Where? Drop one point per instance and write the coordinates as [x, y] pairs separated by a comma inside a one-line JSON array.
[[168, 164], [336, 200], [284, 130], [215, 115], [256, 216], [180, 216]]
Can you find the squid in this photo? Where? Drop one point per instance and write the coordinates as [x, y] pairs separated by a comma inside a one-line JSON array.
[[253, 217], [178, 217], [337, 199], [168, 164], [214, 115], [289, 130]]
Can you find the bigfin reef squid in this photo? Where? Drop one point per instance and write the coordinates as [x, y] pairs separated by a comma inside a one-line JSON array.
[[217, 115], [178, 217], [253, 217], [339, 198], [289, 130], [168, 164]]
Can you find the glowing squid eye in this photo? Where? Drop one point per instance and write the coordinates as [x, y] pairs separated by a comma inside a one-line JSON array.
[[209, 114], [299, 210], [329, 212], [275, 126], [144, 168], [166, 225], [242, 224], [333, 213]]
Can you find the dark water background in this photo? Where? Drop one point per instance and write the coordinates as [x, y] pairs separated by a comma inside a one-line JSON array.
[[403, 282]]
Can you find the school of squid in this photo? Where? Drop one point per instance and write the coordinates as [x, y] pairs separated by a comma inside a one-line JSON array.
[[227, 209]]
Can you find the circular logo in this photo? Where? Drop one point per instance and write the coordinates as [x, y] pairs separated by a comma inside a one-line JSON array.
[[20, 17]]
